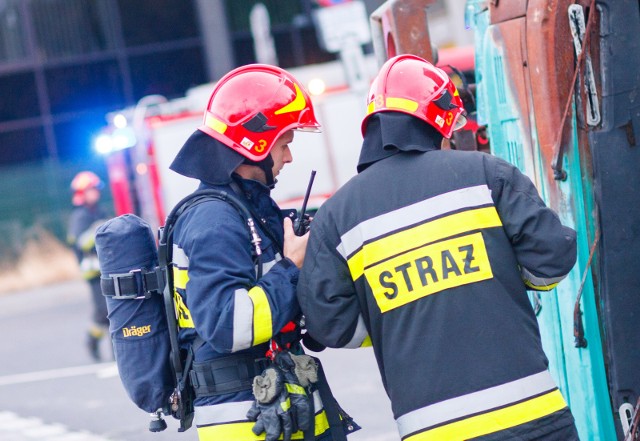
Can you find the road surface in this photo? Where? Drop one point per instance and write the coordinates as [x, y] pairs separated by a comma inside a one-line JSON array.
[[50, 390]]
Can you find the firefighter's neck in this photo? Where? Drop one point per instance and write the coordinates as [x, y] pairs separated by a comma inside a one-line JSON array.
[[252, 172]]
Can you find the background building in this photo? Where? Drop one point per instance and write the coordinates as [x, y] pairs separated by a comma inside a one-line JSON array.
[[64, 64]]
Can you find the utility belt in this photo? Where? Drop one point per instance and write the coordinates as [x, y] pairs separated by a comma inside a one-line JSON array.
[[226, 375]]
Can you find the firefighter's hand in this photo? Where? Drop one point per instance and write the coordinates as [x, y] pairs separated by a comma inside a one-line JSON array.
[[295, 247]]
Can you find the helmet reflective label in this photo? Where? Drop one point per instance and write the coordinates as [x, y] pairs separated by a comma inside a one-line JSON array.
[[247, 143]]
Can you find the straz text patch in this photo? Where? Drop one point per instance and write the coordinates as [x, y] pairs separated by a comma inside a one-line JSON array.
[[428, 270]]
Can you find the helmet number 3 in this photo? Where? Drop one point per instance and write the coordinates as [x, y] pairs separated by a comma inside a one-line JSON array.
[[261, 146], [449, 118]]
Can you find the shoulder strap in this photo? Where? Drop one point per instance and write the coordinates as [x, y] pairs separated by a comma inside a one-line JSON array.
[[180, 408], [238, 191], [166, 232]]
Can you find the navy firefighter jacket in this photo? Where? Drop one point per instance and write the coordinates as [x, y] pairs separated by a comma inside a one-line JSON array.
[[81, 234], [428, 256], [215, 278]]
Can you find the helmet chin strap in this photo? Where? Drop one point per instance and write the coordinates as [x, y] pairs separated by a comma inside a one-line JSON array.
[[266, 165]]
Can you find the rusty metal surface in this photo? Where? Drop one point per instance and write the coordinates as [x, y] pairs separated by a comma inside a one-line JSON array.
[[513, 36], [504, 10], [404, 29], [551, 66], [508, 101]]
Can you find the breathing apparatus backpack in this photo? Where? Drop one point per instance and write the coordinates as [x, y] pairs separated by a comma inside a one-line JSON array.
[[137, 281]]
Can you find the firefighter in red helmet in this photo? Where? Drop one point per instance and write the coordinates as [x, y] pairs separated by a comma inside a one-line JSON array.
[[427, 255], [241, 146], [85, 219]]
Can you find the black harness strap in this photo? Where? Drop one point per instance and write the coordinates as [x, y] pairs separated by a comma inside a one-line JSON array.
[[229, 374], [265, 228], [182, 404], [336, 417], [136, 284]]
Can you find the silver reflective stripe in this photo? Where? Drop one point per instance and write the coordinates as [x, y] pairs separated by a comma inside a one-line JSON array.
[[222, 413], [411, 214], [359, 335], [317, 402], [475, 402], [235, 412], [90, 263], [539, 281], [179, 259], [266, 266], [87, 240], [242, 320]]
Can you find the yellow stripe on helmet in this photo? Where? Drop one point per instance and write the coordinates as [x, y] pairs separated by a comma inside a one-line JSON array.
[[402, 104], [214, 123], [297, 104]]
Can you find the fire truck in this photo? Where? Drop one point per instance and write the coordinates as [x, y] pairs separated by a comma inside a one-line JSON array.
[[139, 143], [556, 87]]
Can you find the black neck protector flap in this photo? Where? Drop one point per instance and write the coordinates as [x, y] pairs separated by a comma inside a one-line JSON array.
[[389, 133]]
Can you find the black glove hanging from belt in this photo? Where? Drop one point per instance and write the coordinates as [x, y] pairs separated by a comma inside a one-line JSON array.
[[283, 404]]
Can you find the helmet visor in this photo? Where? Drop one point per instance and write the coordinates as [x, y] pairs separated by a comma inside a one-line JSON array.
[[461, 121], [309, 129]]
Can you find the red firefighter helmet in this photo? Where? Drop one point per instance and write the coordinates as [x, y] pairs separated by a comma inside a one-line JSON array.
[[81, 183], [409, 84], [253, 105]]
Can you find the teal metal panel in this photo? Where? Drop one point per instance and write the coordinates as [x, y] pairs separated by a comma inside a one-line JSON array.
[[587, 373], [478, 21], [579, 372]]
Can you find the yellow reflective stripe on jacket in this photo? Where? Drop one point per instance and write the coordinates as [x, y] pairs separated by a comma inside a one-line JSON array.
[[182, 312], [285, 405], [428, 270], [180, 268], [408, 239], [262, 322], [405, 217], [87, 240], [539, 283], [495, 421], [295, 389], [180, 278], [360, 337], [242, 430], [535, 394], [540, 288]]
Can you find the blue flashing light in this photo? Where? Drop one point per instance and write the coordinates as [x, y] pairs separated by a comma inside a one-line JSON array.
[[120, 121], [102, 144], [119, 139]]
